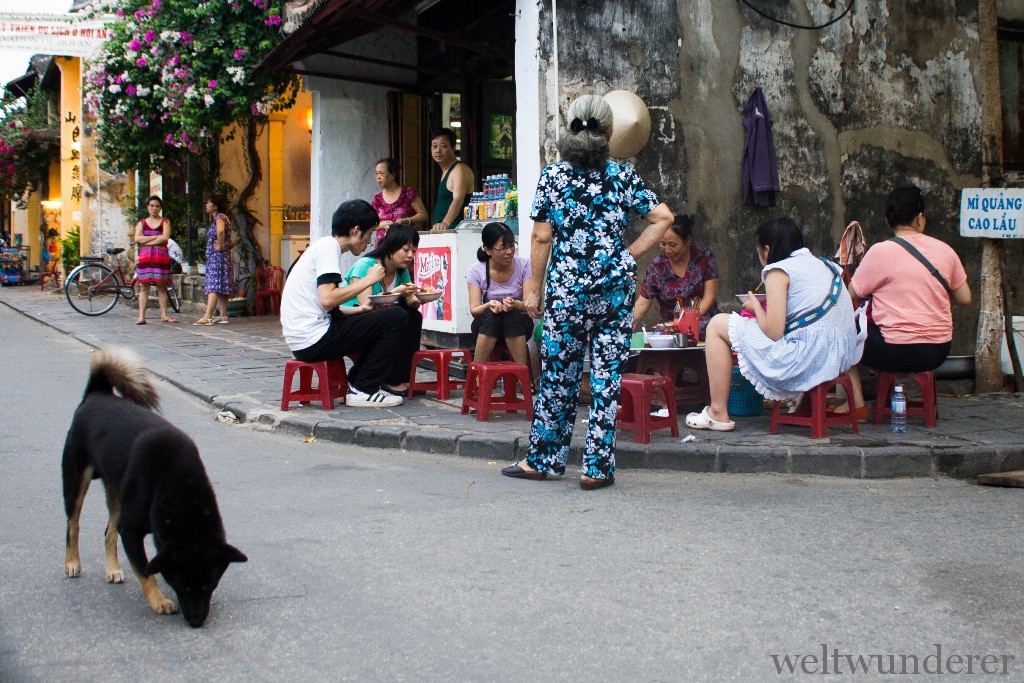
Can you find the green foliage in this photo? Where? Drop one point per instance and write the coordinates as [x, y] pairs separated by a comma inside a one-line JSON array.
[[176, 73], [28, 143], [70, 248]]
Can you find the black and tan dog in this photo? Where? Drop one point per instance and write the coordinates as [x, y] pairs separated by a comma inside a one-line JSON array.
[[155, 483]]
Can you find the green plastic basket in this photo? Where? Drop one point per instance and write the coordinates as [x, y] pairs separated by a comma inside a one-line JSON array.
[[743, 398]]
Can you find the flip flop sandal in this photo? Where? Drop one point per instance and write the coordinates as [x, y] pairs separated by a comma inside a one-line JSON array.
[[702, 420], [221, 321], [168, 320], [203, 321], [140, 322]]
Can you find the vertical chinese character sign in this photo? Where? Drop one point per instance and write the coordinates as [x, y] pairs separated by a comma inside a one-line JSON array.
[[434, 270]]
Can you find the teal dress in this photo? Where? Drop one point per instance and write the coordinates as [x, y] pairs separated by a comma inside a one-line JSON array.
[[358, 271]]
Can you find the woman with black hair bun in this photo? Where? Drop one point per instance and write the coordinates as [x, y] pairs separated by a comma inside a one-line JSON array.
[[803, 336], [496, 296]]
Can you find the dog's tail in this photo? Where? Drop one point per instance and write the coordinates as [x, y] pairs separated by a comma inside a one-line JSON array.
[[117, 367]]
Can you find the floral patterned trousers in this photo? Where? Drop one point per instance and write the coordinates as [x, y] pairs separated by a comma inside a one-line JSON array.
[[605, 319]]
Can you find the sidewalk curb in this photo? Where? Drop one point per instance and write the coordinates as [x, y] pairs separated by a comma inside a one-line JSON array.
[[865, 461]]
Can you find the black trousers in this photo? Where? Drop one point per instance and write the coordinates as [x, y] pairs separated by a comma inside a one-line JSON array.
[[385, 340], [881, 355]]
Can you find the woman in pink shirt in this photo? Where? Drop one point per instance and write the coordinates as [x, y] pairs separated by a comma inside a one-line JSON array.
[[395, 203], [911, 324]]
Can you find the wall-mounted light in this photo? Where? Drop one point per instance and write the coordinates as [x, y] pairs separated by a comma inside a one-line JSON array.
[[305, 118]]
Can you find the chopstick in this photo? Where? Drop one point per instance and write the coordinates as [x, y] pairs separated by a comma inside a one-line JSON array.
[[759, 286]]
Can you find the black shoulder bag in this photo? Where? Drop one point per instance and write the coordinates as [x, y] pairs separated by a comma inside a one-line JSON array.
[[925, 262]]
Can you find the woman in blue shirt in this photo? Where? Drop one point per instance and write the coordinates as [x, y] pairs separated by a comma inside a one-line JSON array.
[[580, 212]]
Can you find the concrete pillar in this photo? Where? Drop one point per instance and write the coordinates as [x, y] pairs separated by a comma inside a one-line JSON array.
[[71, 135], [275, 178], [530, 113]]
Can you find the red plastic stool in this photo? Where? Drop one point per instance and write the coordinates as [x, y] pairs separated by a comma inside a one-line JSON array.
[[480, 381], [927, 407], [441, 358], [637, 394], [812, 411], [332, 382]]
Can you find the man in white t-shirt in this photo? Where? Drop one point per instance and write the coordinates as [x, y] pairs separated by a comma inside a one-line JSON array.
[[316, 329]]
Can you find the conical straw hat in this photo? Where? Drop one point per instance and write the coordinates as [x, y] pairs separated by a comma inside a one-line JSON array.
[[631, 127]]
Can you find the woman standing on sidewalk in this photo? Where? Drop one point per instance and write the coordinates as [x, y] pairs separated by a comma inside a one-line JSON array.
[[580, 214], [219, 283], [154, 264]]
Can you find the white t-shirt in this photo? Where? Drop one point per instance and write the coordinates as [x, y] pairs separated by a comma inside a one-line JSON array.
[[303, 320]]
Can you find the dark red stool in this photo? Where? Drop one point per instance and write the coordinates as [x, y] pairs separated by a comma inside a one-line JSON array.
[[637, 395], [480, 381], [332, 383], [927, 407], [812, 410], [441, 358]]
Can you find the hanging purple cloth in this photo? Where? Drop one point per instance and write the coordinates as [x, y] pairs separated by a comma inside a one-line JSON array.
[[760, 172]]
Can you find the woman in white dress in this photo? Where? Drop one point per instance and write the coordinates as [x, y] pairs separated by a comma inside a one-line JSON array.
[[803, 336]]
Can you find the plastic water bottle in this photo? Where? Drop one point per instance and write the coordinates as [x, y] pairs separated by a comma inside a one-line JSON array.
[[899, 411]]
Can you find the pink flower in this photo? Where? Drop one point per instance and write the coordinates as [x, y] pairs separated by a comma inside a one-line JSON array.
[[212, 84], [135, 45], [239, 54], [185, 37], [119, 13], [141, 61], [272, 20], [150, 36], [130, 90], [119, 79], [169, 139]]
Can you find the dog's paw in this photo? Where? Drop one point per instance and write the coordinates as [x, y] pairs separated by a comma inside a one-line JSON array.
[[115, 577], [72, 569], [165, 606]]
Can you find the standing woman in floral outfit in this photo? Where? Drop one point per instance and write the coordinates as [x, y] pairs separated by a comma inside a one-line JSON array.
[[154, 264], [219, 283], [579, 214]]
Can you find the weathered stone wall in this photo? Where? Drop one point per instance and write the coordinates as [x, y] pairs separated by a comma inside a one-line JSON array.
[[887, 96]]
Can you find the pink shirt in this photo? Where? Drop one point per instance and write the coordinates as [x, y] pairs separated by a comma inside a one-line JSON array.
[[908, 304]]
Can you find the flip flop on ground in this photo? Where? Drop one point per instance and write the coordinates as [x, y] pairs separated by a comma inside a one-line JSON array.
[[703, 420]]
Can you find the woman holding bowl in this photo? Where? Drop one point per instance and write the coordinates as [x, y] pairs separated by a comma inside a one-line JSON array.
[[684, 272], [395, 254], [496, 296], [805, 337], [395, 203]]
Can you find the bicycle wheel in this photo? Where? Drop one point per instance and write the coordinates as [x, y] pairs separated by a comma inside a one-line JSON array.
[[92, 289]]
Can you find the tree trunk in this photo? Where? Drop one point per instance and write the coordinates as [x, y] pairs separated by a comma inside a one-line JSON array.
[[256, 175], [988, 375]]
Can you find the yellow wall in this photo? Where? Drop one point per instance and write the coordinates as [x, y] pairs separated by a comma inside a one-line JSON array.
[[71, 135], [285, 150]]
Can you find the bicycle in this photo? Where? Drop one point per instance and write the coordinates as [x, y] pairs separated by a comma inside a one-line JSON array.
[[93, 288]]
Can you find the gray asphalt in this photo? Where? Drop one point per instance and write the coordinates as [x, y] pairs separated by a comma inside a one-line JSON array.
[[374, 565]]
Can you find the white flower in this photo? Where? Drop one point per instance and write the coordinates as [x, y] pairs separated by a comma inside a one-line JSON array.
[[114, 88], [191, 93], [142, 91], [208, 99], [130, 55]]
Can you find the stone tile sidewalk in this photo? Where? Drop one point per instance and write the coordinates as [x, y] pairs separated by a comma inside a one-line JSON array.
[[239, 367]]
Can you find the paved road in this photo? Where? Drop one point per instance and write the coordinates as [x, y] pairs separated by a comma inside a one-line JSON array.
[[369, 565]]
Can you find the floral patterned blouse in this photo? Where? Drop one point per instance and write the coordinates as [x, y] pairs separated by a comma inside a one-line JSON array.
[[662, 283], [588, 211]]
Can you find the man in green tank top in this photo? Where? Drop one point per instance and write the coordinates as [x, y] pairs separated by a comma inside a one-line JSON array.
[[456, 187]]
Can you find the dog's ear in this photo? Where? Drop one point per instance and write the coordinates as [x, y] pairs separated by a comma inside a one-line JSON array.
[[232, 554], [158, 563]]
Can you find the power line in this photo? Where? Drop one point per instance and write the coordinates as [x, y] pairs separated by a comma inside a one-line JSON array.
[[769, 17]]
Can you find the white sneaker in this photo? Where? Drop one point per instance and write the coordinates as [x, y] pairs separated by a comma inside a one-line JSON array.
[[380, 399]]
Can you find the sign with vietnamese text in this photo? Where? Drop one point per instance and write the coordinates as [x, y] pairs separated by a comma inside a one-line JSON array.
[[996, 213], [53, 34]]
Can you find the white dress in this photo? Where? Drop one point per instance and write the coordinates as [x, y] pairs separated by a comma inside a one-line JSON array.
[[805, 357]]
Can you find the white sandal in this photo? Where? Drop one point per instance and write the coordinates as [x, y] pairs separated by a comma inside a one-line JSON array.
[[703, 420]]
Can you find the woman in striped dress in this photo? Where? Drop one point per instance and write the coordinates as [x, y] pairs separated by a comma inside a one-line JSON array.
[[154, 264]]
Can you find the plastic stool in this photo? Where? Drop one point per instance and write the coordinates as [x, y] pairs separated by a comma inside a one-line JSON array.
[[332, 382], [480, 381], [638, 392], [927, 407], [441, 358], [812, 411]]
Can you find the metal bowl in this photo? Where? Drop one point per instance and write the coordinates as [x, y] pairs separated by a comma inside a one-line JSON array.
[[384, 299], [661, 341]]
